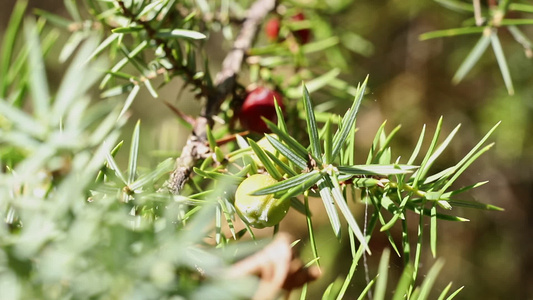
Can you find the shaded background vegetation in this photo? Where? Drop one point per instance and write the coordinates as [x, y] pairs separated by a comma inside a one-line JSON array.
[[410, 83]]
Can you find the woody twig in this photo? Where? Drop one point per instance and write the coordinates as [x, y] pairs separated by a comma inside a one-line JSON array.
[[225, 82]]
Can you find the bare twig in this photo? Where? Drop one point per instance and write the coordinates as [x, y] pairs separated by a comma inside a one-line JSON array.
[[225, 82], [189, 119]]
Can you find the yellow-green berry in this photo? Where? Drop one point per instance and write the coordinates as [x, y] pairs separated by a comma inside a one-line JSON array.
[[259, 211]]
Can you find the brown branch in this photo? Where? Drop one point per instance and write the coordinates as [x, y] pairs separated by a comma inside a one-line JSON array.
[[225, 82]]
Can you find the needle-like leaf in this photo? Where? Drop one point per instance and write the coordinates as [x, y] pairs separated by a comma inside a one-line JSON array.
[[376, 169], [450, 32], [291, 155], [113, 166], [269, 166], [285, 185], [345, 210], [430, 279], [502, 62], [348, 121], [312, 129], [134, 152], [472, 58], [8, 44], [383, 270]]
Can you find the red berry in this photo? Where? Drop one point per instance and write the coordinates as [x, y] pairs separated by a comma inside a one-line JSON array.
[[302, 35], [272, 29], [259, 103]]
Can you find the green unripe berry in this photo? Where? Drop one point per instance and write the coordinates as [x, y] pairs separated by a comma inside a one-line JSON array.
[[259, 211], [265, 144]]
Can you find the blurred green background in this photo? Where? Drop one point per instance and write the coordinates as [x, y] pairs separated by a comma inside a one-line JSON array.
[[410, 83]]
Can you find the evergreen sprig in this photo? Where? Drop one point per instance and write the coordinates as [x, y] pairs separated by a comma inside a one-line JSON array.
[[78, 224], [487, 22]]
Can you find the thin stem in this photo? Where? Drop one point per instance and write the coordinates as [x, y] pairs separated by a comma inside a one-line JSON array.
[[477, 12], [408, 188], [418, 250], [365, 262], [310, 229], [225, 84]]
